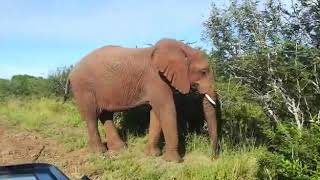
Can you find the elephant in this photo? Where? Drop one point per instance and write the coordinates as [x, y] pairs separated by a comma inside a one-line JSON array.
[[114, 78]]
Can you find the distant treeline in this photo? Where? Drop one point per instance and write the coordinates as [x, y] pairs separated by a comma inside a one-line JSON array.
[[26, 85]]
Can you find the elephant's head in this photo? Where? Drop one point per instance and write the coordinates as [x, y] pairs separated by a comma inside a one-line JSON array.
[[187, 69], [184, 67]]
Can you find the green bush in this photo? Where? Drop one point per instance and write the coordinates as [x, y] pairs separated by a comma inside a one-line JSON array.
[[26, 85], [57, 80], [4, 88], [242, 117], [296, 152]]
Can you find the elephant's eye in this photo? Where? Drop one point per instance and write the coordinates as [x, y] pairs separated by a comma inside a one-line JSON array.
[[203, 72]]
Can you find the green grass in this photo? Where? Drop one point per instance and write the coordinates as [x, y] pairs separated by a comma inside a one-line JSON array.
[[49, 117], [61, 122]]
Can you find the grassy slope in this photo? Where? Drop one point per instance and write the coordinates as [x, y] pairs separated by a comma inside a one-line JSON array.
[[63, 124]]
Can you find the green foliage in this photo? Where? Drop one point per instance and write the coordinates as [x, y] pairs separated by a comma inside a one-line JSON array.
[[273, 53], [57, 80], [25, 85], [4, 88], [305, 24], [297, 151], [243, 117], [28, 86]]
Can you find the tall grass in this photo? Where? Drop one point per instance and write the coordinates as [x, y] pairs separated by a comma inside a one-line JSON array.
[[62, 123], [49, 117]]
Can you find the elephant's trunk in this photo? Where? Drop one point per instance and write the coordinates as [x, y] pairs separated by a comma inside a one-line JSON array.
[[209, 109]]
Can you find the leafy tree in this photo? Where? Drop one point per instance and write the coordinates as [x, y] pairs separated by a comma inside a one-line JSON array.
[[26, 85], [254, 47], [274, 52], [57, 80], [4, 88], [305, 22]]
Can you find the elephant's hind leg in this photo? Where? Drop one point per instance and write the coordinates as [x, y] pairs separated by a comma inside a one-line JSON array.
[[87, 107], [152, 147], [114, 141]]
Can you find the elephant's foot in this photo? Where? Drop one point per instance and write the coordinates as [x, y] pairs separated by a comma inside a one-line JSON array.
[[150, 150], [172, 156], [116, 146], [98, 147]]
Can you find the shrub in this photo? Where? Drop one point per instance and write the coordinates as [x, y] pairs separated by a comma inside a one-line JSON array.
[[242, 117], [26, 85], [57, 80], [4, 88]]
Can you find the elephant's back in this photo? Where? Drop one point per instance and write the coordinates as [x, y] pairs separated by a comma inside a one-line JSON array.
[[112, 59], [110, 70], [115, 55]]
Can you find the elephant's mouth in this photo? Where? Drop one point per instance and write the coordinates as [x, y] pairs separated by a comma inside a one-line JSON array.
[[195, 90]]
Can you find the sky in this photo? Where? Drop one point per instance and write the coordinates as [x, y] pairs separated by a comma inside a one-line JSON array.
[[38, 36]]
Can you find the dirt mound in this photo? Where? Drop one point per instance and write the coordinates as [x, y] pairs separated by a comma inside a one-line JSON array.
[[23, 146]]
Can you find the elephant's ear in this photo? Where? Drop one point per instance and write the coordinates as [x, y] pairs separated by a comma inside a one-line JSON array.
[[173, 63]]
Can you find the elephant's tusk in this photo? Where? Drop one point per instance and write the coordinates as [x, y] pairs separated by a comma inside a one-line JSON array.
[[210, 100]]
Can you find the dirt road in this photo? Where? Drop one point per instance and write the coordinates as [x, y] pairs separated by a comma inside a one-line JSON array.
[[23, 146]]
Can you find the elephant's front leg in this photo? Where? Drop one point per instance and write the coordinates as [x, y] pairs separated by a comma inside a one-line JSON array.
[[152, 147], [114, 142], [164, 109]]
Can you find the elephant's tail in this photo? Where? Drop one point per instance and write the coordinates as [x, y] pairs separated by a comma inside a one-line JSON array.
[[66, 90]]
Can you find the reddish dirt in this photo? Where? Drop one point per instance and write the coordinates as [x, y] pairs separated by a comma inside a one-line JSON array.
[[23, 146]]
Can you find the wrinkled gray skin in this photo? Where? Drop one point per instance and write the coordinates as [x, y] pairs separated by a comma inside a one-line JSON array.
[[112, 79]]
